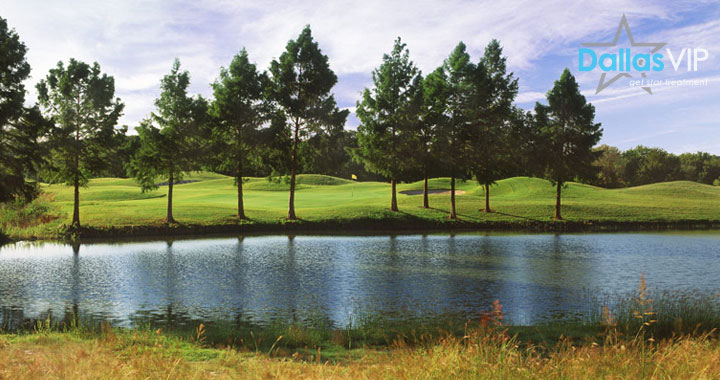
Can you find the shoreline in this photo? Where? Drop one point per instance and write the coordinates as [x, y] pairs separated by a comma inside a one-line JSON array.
[[362, 227]]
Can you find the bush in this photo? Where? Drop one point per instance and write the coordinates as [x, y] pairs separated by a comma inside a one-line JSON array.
[[21, 214]]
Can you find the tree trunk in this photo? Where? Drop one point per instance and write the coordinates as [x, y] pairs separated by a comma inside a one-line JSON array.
[[453, 214], [487, 198], [291, 206], [171, 182], [76, 183], [393, 198], [76, 203], [241, 206], [426, 202], [557, 201]]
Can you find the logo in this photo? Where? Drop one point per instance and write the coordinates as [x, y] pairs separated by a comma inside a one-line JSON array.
[[640, 58]]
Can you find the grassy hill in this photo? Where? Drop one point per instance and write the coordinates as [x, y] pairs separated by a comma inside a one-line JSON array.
[[210, 199]]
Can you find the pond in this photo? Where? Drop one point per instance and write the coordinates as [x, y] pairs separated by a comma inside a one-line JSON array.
[[336, 279]]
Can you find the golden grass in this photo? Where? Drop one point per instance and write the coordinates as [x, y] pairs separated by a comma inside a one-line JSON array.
[[487, 355]]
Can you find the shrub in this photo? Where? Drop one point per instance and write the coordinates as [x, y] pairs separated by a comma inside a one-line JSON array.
[[20, 214]]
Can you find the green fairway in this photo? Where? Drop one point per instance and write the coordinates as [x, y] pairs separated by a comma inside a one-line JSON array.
[[211, 199]]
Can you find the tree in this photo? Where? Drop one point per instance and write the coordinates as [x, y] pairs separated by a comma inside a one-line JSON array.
[[386, 129], [494, 93], [523, 140], [610, 167], [567, 134], [645, 165], [701, 167], [21, 128], [170, 140], [301, 85], [81, 102], [22, 153], [454, 129], [238, 112]]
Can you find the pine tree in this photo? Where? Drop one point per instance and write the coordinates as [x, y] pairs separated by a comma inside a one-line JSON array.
[[567, 133], [495, 91], [301, 85], [81, 102], [388, 118], [171, 139], [238, 113], [455, 126]]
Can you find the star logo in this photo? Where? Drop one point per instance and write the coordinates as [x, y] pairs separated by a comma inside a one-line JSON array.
[[602, 84]]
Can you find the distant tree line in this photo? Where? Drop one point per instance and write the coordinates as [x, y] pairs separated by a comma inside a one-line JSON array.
[[457, 121], [642, 165]]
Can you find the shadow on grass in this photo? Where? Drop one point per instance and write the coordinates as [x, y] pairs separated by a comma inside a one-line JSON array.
[[461, 217], [519, 217]]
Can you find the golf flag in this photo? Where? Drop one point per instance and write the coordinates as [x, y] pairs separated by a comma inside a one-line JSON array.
[[354, 177]]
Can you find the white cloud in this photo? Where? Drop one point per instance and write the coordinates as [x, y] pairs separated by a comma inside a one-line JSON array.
[[529, 97]]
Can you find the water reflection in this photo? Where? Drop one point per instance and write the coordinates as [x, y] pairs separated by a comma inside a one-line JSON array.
[[333, 280]]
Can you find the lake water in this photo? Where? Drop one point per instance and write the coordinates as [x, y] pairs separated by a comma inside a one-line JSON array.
[[337, 279]]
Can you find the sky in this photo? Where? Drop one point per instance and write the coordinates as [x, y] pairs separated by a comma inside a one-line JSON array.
[[137, 41]]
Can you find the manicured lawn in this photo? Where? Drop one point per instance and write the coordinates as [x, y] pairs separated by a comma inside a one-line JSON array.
[[212, 200]]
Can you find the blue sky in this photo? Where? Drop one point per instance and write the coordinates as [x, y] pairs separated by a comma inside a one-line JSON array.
[[136, 42]]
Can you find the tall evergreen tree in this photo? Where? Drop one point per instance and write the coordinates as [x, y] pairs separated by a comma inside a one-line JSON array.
[[388, 122], [301, 85], [495, 91], [170, 140], [455, 128], [20, 128], [81, 102], [238, 112], [567, 133]]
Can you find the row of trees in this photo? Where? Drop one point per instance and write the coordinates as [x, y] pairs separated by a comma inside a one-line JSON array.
[[252, 113], [72, 135], [459, 120]]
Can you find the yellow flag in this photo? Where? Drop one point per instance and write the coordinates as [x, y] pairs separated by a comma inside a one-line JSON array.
[[353, 177]]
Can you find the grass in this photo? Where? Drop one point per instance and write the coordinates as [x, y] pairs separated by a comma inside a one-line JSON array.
[[487, 353], [211, 200]]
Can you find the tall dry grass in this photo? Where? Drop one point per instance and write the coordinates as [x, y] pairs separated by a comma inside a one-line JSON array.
[[488, 354]]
